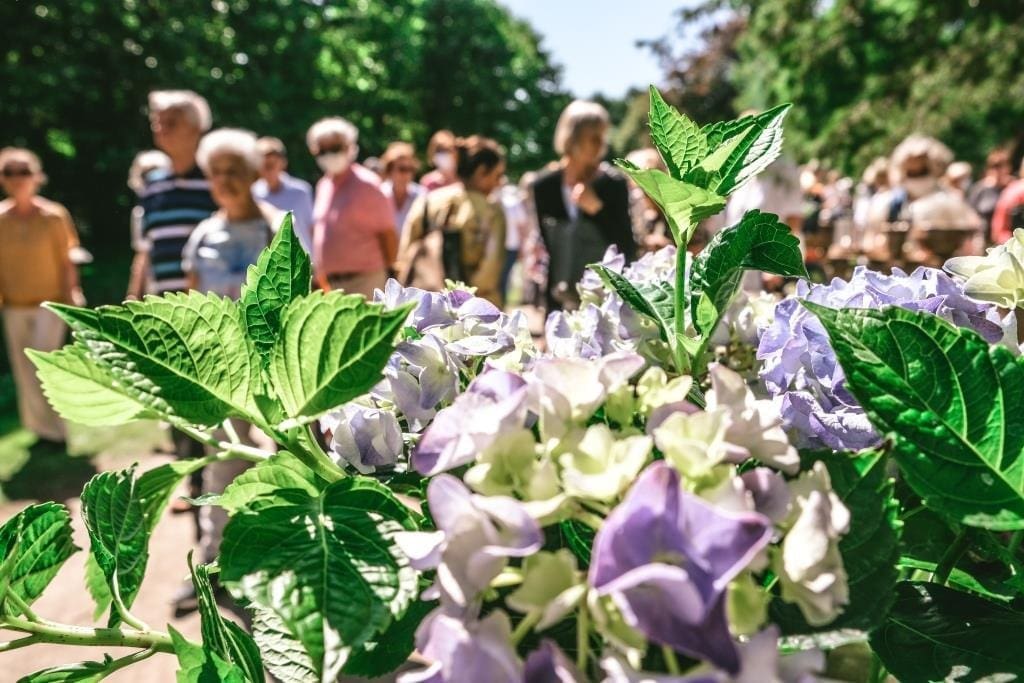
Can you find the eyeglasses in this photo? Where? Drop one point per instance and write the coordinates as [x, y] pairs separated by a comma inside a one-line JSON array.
[[22, 172], [405, 169]]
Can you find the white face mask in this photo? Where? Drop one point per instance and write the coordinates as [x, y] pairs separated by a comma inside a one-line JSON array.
[[334, 163], [919, 187], [444, 161]]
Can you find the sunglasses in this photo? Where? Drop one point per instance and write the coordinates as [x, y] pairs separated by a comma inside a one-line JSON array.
[[337, 149], [21, 172]]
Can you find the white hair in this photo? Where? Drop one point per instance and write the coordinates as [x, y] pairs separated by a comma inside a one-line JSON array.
[[193, 104], [332, 125], [233, 141], [578, 115], [143, 163]]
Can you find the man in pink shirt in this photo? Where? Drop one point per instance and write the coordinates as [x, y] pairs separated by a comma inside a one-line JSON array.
[[354, 237]]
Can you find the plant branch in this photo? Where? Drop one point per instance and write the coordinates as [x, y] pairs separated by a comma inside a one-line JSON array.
[[582, 635], [122, 609], [671, 662], [229, 429], [525, 626], [44, 631]]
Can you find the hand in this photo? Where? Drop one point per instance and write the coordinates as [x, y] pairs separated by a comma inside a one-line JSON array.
[[583, 196], [77, 298]]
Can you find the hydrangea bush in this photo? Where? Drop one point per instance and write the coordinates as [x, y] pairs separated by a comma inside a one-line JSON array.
[[688, 483]]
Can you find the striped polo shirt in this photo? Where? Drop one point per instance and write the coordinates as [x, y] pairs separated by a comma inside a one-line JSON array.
[[172, 206]]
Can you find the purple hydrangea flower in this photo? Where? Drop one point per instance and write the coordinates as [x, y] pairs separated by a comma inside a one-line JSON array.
[[366, 437], [548, 664], [432, 308], [475, 536], [465, 652], [666, 556], [801, 371], [494, 404]]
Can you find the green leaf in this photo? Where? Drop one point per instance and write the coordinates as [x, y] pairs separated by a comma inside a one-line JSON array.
[[34, 544], [281, 274], [280, 472], [350, 340], [283, 653], [740, 150], [155, 487], [325, 569], [392, 648], [950, 402], [96, 584], [684, 204], [654, 300], [201, 664], [579, 538], [679, 139], [224, 637], [935, 633], [188, 352], [83, 391], [870, 549], [758, 242], [80, 672], [118, 532]]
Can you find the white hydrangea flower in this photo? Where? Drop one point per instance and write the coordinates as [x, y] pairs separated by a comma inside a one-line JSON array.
[[600, 467], [810, 566], [997, 277]]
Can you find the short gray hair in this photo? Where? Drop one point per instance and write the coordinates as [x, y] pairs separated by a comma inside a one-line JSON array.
[[193, 104], [233, 141], [332, 125], [580, 114]]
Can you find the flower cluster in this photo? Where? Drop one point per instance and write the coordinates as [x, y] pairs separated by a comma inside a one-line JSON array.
[[686, 503], [447, 339], [801, 372]]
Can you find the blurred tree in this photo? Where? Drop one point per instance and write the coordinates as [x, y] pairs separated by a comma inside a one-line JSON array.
[[75, 77], [863, 74]]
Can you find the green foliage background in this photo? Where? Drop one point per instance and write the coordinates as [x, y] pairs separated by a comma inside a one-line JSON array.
[[75, 77], [861, 74]]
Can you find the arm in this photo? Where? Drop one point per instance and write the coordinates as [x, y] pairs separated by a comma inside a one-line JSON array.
[[66, 242], [612, 219], [389, 246], [1001, 229], [137, 276]]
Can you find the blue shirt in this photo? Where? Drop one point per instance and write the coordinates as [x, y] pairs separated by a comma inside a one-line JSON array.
[[219, 252], [293, 195]]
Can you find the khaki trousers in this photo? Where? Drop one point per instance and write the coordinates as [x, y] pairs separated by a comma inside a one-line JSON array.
[[359, 283], [33, 328]]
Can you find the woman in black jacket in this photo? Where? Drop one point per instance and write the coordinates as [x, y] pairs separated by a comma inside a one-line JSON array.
[[582, 204]]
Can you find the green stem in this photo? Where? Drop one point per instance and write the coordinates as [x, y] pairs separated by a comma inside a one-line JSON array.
[[49, 632], [122, 609], [524, 627], [877, 674], [229, 429], [952, 555], [671, 662], [582, 635], [679, 310], [302, 445], [22, 606], [1015, 542], [133, 658]]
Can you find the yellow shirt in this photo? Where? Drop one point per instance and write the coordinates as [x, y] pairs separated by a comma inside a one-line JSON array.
[[34, 254]]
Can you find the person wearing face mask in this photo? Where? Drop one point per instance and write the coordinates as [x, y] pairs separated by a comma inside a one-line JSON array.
[[441, 153], [458, 232], [354, 237], [37, 237], [582, 205], [941, 223]]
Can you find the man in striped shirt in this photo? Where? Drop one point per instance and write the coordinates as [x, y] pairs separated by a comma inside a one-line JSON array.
[[173, 202]]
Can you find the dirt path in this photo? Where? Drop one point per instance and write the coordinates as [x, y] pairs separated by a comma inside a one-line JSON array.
[[66, 599]]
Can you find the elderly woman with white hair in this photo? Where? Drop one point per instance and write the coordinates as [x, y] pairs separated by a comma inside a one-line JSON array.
[[582, 204], [355, 240], [223, 246]]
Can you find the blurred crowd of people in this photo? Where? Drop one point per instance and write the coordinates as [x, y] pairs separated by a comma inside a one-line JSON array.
[[209, 201]]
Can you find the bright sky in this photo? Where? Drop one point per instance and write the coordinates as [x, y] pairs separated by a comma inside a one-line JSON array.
[[594, 41]]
